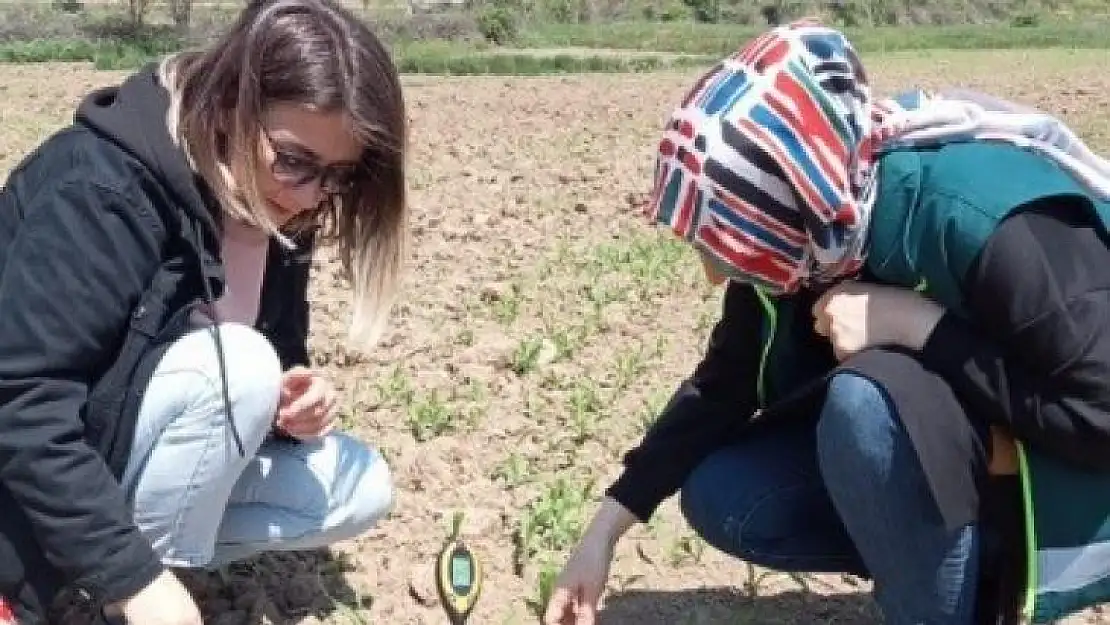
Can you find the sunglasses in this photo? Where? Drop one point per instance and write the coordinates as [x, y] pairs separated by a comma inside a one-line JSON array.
[[295, 166]]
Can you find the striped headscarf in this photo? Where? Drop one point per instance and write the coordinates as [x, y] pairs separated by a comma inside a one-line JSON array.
[[767, 166]]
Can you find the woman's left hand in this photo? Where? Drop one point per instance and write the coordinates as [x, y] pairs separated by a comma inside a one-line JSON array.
[[307, 406], [856, 315]]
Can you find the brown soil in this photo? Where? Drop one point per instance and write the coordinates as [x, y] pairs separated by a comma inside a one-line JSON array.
[[541, 327]]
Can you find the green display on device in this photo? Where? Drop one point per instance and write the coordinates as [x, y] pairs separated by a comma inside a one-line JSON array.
[[461, 573]]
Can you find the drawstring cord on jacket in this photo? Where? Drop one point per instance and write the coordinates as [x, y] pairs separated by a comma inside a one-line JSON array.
[[215, 330]]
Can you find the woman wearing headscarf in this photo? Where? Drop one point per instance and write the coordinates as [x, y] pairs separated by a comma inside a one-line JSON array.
[[913, 354]]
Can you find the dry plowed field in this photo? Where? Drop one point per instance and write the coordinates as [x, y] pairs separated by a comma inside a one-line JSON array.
[[542, 326]]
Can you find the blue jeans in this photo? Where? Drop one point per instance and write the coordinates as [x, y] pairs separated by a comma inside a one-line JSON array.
[[848, 495]]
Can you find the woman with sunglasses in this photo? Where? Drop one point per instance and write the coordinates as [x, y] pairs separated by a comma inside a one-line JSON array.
[[158, 409], [913, 285]]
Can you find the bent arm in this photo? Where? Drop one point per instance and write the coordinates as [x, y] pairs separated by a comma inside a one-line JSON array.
[[1035, 358], [703, 413], [70, 278]]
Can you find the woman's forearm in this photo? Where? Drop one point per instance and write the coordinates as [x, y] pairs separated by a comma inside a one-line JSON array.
[[610, 522]]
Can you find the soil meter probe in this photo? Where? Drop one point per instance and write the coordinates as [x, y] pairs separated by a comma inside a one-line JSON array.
[[458, 577]]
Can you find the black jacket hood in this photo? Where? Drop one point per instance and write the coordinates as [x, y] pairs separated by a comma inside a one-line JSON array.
[[132, 115]]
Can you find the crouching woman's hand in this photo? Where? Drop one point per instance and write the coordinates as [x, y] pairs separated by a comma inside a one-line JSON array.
[[165, 601]]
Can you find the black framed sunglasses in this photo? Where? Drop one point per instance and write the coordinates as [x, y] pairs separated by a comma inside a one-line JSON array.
[[296, 166]]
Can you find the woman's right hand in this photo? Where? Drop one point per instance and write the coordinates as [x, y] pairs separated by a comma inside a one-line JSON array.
[[578, 588], [165, 601]]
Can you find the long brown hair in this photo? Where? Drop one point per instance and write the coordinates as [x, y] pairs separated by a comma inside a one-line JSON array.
[[318, 54]]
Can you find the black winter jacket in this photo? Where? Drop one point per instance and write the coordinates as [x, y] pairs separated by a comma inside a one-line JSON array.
[[107, 241]]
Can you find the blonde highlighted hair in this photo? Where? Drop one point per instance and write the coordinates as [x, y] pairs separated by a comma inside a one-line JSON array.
[[317, 54]]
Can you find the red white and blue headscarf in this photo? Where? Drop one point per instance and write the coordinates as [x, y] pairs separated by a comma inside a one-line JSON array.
[[767, 166]]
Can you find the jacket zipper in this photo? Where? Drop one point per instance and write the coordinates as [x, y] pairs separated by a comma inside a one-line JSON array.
[[772, 320]]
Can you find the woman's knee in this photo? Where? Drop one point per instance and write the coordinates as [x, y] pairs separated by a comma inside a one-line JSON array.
[[243, 360], [363, 491], [774, 516], [729, 508], [857, 431], [699, 500]]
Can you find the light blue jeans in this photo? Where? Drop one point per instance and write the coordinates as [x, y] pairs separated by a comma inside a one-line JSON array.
[[200, 503]]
